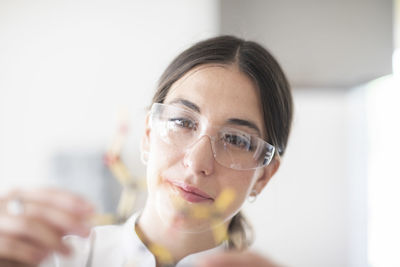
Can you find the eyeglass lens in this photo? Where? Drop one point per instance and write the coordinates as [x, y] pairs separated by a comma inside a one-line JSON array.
[[231, 147]]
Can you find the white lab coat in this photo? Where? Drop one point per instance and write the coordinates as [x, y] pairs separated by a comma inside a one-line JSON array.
[[114, 246]]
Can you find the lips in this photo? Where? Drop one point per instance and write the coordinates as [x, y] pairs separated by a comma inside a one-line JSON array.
[[191, 193]]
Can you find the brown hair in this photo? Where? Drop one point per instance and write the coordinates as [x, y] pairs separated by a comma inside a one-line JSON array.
[[275, 96]]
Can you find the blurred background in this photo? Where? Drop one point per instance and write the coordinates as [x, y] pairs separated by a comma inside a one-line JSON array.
[[70, 70]]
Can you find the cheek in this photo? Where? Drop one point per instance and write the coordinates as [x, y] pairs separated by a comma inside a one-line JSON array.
[[240, 183], [161, 157]]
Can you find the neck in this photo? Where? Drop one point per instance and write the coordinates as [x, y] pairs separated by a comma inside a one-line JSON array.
[[159, 235]]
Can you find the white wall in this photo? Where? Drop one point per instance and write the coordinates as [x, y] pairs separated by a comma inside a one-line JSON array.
[[311, 214], [383, 170], [68, 67]]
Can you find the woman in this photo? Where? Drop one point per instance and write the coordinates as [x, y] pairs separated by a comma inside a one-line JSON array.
[[219, 122]]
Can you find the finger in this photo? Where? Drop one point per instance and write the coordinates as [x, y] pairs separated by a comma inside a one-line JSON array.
[[63, 222], [35, 232], [56, 198], [19, 251]]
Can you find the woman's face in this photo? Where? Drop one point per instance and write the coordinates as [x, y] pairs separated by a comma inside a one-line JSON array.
[[182, 179]]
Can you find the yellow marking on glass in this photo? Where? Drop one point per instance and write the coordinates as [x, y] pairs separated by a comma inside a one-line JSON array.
[[219, 231], [201, 212], [224, 200], [131, 263], [177, 201], [161, 254], [121, 172], [126, 203], [142, 183], [102, 219]]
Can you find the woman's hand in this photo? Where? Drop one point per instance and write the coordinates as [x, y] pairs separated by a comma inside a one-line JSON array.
[[236, 259], [34, 228]]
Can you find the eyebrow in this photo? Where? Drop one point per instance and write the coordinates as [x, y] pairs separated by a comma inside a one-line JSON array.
[[232, 121], [247, 123], [186, 103]]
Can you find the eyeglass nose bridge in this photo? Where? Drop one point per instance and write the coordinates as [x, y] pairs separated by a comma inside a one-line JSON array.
[[212, 143], [213, 149]]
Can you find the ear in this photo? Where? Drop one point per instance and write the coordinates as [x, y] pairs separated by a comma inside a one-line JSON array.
[[267, 174], [145, 143]]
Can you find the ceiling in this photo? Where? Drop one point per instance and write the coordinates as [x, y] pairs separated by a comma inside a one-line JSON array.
[[323, 44]]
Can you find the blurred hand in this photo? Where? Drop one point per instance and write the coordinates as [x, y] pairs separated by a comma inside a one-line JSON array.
[[26, 238], [236, 259]]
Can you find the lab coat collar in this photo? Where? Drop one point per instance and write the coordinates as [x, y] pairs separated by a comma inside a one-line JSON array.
[[136, 249]]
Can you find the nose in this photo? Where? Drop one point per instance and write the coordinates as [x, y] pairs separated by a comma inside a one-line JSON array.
[[199, 157]]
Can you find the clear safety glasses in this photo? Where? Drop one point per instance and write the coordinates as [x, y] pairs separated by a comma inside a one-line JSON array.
[[231, 147]]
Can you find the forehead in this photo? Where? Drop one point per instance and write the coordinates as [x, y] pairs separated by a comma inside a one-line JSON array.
[[221, 92]]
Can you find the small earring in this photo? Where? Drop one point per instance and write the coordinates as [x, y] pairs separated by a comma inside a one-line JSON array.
[[144, 157], [252, 197]]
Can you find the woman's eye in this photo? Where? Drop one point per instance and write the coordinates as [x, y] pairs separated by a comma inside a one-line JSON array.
[[183, 123], [238, 141]]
